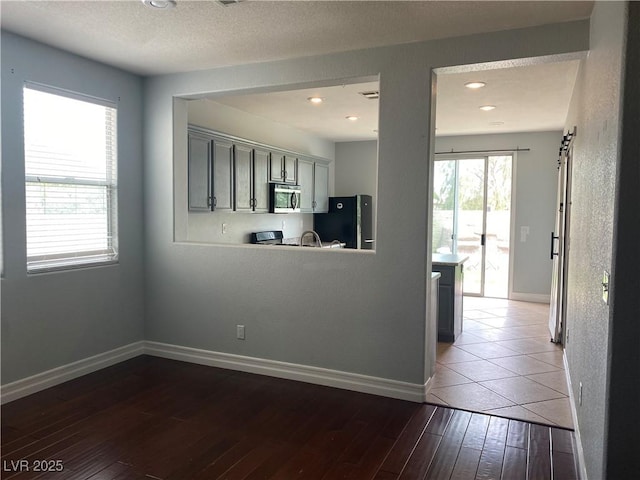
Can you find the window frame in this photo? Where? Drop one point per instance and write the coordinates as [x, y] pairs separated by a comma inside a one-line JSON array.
[[81, 258]]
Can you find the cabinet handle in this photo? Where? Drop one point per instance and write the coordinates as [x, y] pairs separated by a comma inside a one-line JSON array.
[[314, 204], [283, 174], [215, 202]]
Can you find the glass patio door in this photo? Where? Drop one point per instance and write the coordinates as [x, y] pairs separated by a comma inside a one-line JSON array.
[[472, 217]]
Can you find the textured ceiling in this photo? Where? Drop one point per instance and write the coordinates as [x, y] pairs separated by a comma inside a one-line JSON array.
[[204, 34]]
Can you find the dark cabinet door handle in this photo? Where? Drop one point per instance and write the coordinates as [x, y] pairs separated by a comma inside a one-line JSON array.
[[483, 239], [553, 237]]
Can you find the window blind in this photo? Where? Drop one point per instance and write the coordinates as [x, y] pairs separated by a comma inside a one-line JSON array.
[[70, 148]]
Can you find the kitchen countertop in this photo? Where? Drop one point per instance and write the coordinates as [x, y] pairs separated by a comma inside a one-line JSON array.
[[296, 244], [448, 259]]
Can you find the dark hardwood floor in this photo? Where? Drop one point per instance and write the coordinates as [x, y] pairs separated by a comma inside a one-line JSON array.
[[161, 419]]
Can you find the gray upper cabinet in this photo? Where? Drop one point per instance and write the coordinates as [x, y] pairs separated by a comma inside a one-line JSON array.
[[313, 178], [305, 180], [222, 174], [233, 174], [210, 172], [261, 159], [283, 168], [321, 188], [243, 178], [251, 180], [199, 172], [290, 169]]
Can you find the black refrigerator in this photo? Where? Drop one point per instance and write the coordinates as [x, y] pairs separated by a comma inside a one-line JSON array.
[[349, 220]]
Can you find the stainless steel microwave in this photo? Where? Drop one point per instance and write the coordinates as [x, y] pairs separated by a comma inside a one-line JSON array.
[[284, 198]]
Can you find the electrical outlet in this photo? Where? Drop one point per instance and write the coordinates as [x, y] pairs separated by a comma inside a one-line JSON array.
[[240, 332], [580, 395], [224, 228], [284, 224], [524, 233]]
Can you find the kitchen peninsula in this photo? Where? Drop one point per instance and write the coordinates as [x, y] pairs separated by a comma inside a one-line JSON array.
[[450, 267]]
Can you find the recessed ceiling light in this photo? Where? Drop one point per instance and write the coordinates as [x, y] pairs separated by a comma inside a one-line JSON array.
[[475, 85], [160, 4], [487, 108], [352, 118], [316, 100]]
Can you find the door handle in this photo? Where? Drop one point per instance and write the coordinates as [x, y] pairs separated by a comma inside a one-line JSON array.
[[483, 239], [553, 237]]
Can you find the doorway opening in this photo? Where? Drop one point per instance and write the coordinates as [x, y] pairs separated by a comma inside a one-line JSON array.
[[472, 217]]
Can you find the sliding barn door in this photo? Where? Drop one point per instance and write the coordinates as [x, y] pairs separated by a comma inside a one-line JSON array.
[[559, 243]]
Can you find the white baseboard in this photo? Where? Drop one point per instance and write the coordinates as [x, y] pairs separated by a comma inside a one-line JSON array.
[[55, 376], [530, 297], [304, 373], [291, 371], [581, 466], [427, 388]]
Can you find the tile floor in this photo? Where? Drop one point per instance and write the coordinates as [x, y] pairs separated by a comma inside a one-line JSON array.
[[504, 364]]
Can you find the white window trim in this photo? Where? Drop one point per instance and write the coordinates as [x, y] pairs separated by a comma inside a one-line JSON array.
[[86, 258]]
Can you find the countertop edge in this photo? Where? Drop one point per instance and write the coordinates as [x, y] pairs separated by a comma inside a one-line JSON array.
[[449, 259]]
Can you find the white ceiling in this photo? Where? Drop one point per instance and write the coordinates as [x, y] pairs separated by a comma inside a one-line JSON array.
[[202, 34], [326, 120], [528, 98]]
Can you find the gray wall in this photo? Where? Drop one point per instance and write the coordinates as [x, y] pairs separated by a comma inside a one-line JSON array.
[[53, 319], [535, 186], [595, 110], [354, 312]]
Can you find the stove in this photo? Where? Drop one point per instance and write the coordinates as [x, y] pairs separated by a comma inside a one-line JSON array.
[[271, 237]]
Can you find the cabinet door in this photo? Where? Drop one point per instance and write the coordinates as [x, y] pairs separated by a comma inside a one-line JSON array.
[[445, 314], [290, 165], [305, 180], [321, 188], [222, 175], [276, 167], [199, 165], [243, 178], [260, 180]]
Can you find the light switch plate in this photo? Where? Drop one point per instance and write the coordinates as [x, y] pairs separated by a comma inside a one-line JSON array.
[[605, 287]]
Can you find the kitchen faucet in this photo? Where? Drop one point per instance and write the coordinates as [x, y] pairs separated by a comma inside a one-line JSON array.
[[316, 238]]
